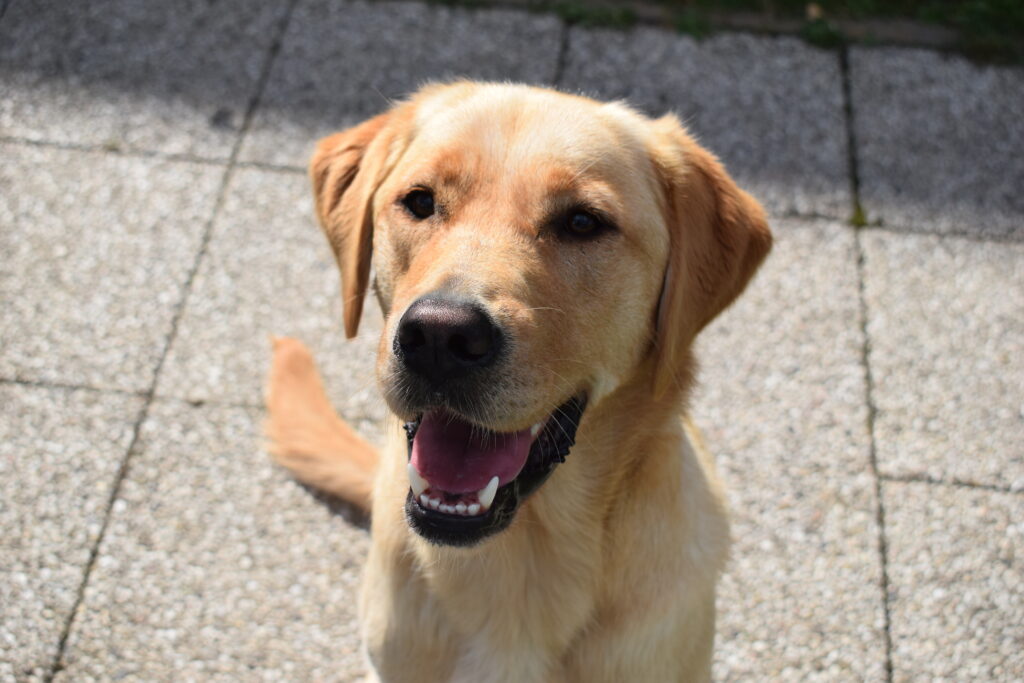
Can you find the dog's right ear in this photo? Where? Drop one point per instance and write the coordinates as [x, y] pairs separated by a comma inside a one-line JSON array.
[[346, 169], [718, 237]]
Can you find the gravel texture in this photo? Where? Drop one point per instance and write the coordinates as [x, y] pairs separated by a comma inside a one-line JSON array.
[[939, 141], [268, 270], [167, 76], [60, 452], [217, 567], [946, 321], [96, 249], [343, 62], [781, 404], [770, 107], [956, 566]]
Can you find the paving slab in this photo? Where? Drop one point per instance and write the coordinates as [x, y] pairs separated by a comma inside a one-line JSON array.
[[956, 567], [60, 451], [343, 62], [771, 108], [97, 248], [781, 404], [171, 77], [938, 141], [216, 566], [268, 270], [946, 323]]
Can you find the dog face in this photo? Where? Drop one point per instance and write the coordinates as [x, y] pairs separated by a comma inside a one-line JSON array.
[[533, 251]]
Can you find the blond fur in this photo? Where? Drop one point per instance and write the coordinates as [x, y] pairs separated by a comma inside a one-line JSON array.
[[608, 572]]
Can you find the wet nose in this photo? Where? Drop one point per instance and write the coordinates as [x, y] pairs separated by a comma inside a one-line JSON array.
[[442, 339]]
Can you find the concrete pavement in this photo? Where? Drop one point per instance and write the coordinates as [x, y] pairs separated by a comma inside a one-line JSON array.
[[865, 398]]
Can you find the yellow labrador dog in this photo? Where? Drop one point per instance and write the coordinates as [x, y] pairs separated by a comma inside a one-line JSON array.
[[542, 511]]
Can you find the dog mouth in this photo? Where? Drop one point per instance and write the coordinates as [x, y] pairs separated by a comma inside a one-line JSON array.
[[466, 482]]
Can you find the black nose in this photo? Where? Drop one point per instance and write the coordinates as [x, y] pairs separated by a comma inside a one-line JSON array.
[[443, 339]]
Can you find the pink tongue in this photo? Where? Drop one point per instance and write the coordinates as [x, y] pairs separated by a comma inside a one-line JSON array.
[[456, 457]]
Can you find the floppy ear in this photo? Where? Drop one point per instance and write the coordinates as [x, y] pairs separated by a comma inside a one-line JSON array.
[[346, 169], [718, 236]]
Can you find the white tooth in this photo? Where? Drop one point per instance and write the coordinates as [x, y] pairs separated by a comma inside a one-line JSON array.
[[435, 503], [461, 508], [418, 483], [536, 428], [486, 494], [473, 509], [424, 501], [447, 508]]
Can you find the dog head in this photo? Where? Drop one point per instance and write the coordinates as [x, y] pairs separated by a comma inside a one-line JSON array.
[[533, 251]]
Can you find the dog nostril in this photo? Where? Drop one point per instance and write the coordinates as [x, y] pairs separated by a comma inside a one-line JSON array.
[[469, 348], [411, 337]]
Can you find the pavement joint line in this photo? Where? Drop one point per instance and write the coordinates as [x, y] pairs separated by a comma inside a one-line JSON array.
[[869, 390], [807, 215], [953, 483], [122, 470], [152, 154], [245, 405], [810, 221], [857, 217], [67, 386], [114, 151], [896, 231], [195, 403], [1012, 238], [203, 402], [268, 166], [4, 4], [275, 47]]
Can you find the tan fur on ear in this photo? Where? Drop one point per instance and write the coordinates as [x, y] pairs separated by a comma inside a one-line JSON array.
[[718, 237], [346, 169]]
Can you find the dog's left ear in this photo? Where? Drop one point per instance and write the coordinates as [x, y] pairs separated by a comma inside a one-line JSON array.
[[718, 237], [345, 169]]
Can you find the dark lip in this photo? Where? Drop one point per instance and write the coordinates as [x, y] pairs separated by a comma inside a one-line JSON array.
[[549, 449]]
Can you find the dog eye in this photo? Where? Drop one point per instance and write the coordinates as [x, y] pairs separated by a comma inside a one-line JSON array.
[[420, 203], [583, 224]]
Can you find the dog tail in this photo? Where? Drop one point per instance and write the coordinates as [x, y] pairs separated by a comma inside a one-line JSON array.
[[307, 436]]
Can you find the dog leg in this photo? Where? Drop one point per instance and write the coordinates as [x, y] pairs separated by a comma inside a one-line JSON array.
[[307, 436]]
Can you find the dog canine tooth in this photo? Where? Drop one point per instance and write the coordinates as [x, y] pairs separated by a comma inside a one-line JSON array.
[[486, 494], [416, 482], [536, 428]]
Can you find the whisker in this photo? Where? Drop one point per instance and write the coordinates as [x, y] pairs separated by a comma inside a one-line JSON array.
[[568, 360], [584, 169], [545, 308]]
